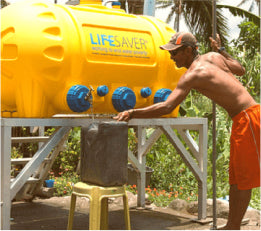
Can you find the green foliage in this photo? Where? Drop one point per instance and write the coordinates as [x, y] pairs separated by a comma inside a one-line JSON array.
[[63, 185], [249, 38], [15, 169], [246, 50], [66, 162], [223, 125], [64, 167], [251, 78], [163, 197], [169, 168], [15, 153], [197, 16], [25, 149], [3, 3], [255, 199]]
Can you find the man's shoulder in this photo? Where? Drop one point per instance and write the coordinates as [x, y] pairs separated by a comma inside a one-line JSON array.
[[211, 55], [207, 61], [201, 67]]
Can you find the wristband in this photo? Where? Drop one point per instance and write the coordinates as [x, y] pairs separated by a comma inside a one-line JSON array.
[[221, 49]]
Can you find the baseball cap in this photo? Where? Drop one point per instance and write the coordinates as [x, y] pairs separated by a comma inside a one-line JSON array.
[[180, 39]]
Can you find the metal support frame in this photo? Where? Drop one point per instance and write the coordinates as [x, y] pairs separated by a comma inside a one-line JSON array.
[[162, 125], [199, 151]]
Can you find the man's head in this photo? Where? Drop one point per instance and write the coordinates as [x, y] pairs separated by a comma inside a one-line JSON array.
[[180, 42]]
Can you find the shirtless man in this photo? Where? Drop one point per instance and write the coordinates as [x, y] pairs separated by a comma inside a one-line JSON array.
[[212, 74]]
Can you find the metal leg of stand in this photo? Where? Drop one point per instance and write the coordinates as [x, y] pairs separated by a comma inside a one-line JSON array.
[[5, 177], [196, 169], [141, 180], [202, 187], [141, 184]]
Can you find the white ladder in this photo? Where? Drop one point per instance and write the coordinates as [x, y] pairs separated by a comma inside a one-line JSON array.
[[26, 184]]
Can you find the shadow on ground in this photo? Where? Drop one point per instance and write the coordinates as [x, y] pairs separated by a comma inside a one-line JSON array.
[[52, 214], [40, 216]]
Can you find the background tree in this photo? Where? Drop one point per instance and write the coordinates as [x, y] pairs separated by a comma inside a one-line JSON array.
[[241, 12], [3, 3], [247, 50], [197, 16], [134, 6]]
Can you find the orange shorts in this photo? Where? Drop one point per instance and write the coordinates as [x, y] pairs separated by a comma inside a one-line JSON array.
[[244, 167]]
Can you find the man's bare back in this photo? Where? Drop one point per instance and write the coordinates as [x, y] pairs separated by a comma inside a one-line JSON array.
[[210, 75]]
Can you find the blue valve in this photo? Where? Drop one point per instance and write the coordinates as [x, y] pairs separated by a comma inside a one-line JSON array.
[[145, 92], [102, 90], [161, 95], [123, 98], [76, 98]]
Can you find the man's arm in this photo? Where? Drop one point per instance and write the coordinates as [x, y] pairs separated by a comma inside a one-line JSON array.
[[159, 109], [233, 64]]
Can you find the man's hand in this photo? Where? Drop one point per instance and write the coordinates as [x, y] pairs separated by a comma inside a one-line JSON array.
[[215, 44], [124, 116]]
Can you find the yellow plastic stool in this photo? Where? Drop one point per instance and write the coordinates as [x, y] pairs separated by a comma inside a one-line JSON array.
[[98, 215]]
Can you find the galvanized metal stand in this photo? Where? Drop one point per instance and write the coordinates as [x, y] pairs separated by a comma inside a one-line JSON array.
[[198, 165], [199, 151]]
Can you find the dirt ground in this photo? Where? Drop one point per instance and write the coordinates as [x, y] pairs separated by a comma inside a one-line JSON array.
[[52, 214]]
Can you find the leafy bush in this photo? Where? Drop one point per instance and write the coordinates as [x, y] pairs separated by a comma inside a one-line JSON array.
[[162, 197], [64, 168], [247, 50], [63, 185], [249, 38], [66, 162]]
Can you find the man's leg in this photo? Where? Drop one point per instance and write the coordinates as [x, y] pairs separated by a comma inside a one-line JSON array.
[[238, 203]]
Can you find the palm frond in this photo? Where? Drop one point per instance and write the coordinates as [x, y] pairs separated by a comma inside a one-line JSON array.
[[198, 17], [171, 15], [243, 13]]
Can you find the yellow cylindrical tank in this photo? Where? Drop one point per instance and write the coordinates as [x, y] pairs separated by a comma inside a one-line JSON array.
[[64, 59]]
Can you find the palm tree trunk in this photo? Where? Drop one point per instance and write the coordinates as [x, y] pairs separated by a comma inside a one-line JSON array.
[[258, 6], [178, 22], [178, 11]]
